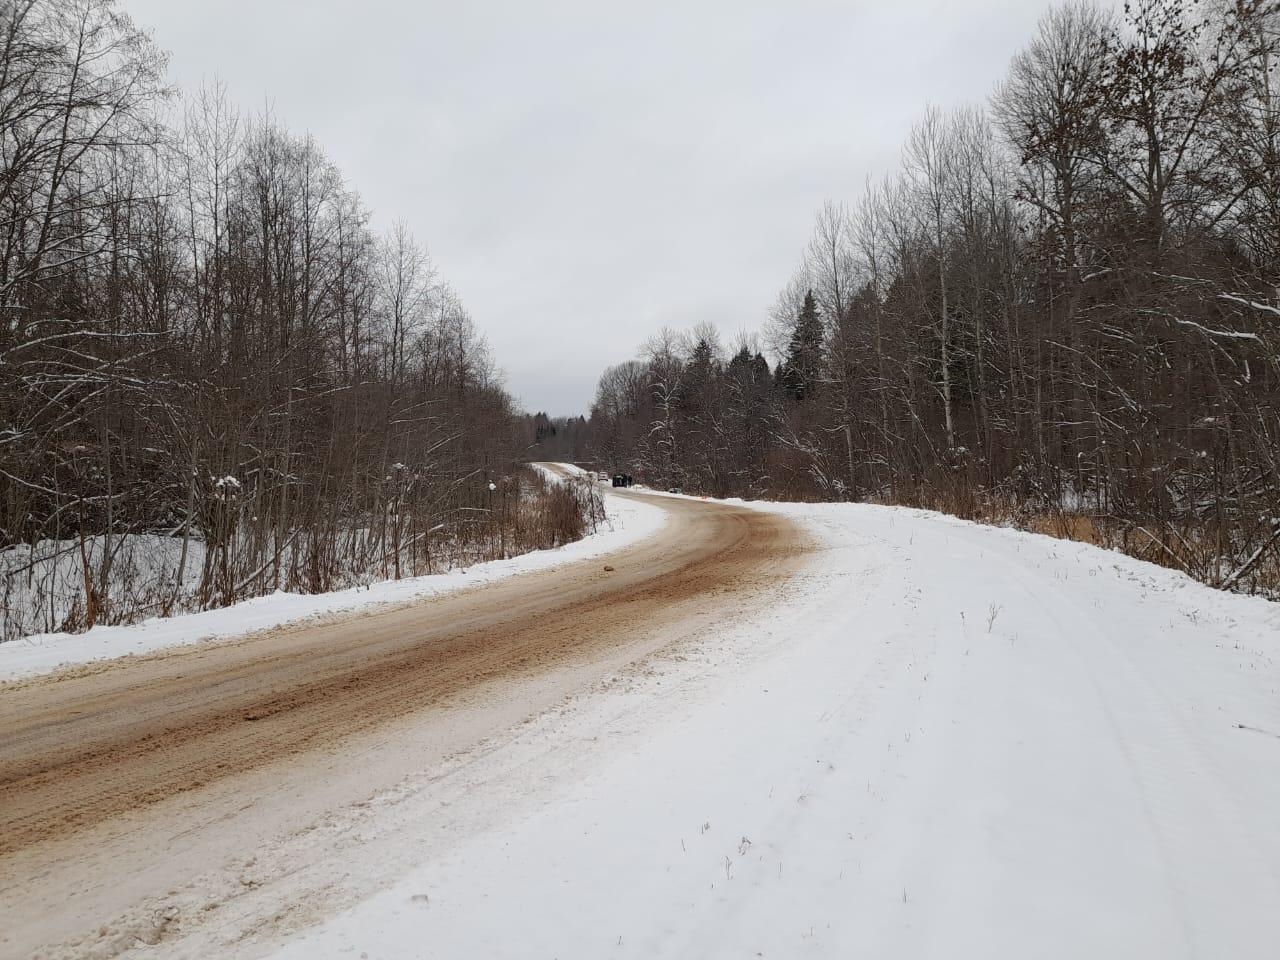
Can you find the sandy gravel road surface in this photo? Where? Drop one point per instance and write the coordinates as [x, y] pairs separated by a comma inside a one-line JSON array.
[[122, 780]]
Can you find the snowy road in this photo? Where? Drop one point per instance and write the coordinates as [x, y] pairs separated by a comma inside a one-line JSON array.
[[123, 780], [859, 732]]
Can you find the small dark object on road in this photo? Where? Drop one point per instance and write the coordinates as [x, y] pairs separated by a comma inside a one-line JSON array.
[[623, 480]]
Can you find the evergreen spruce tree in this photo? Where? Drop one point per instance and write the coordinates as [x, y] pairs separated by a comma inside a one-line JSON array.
[[803, 365]]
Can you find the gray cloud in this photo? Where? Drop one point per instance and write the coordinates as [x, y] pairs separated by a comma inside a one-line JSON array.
[[585, 173]]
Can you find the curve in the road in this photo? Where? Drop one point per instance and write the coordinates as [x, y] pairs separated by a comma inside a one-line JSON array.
[[78, 750]]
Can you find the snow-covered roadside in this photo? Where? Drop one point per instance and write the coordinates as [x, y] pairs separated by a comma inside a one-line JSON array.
[[943, 740], [628, 522]]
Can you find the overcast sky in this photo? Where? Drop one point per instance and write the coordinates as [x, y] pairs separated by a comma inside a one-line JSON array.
[[586, 173]]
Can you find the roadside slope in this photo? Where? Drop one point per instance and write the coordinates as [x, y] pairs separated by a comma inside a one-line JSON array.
[[629, 521]]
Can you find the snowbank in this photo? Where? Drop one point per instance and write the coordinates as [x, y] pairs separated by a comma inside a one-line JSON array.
[[941, 739], [628, 522]]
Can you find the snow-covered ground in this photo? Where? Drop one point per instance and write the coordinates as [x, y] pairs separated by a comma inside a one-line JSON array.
[[628, 521], [940, 740], [41, 586]]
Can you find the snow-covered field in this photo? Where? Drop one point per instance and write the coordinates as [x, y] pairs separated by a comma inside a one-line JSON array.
[[628, 521], [942, 740], [40, 587]]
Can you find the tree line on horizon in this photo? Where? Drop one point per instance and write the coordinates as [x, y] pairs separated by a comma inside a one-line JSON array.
[[1063, 309], [204, 341]]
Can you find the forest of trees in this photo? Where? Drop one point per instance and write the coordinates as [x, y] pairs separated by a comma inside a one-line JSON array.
[[1063, 310], [216, 379]]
